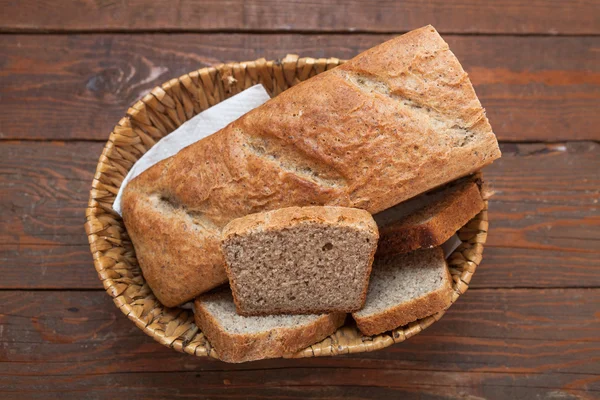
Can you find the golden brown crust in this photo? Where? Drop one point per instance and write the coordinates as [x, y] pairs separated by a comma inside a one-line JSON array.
[[284, 218], [404, 313], [177, 257], [288, 217], [412, 232], [393, 122], [238, 347]]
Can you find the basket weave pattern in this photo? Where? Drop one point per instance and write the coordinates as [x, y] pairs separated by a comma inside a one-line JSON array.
[[157, 114]]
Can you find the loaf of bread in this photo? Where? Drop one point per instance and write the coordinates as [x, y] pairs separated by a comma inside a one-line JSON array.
[[238, 339], [394, 122], [428, 220], [405, 288], [300, 260]]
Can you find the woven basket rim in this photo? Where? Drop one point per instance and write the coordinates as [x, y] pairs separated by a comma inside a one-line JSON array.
[[158, 113]]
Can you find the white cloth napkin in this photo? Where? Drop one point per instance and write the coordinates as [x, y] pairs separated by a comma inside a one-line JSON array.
[[450, 245], [202, 125]]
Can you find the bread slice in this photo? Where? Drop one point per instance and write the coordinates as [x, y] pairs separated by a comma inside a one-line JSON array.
[[300, 260], [428, 220], [403, 289], [238, 339]]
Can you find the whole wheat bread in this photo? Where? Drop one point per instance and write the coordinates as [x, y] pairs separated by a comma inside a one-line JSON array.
[[238, 339], [430, 219], [404, 288], [393, 122], [300, 260]]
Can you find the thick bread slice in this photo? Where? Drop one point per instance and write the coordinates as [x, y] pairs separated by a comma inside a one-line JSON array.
[[428, 220], [300, 260], [394, 122], [403, 289], [238, 339]]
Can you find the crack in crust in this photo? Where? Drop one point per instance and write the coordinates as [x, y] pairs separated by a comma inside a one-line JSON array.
[[290, 159], [438, 121]]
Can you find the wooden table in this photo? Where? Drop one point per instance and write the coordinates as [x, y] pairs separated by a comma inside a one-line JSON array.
[[528, 328]]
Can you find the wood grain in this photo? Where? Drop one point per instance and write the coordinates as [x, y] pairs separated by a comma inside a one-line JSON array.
[[547, 197], [544, 217], [313, 383], [491, 343], [44, 191], [469, 16], [534, 88], [510, 267], [529, 326], [50, 266]]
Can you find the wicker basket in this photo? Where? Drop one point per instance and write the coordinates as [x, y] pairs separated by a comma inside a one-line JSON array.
[[158, 114]]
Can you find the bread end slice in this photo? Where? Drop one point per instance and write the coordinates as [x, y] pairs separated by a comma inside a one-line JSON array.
[[239, 339], [428, 220], [404, 289]]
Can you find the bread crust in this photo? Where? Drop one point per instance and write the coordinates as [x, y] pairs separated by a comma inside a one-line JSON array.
[[288, 217], [237, 348], [404, 313], [285, 218], [448, 215], [395, 121]]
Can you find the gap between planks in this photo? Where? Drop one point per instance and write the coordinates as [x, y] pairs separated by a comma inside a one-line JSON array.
[[37, 31], [511, 372]]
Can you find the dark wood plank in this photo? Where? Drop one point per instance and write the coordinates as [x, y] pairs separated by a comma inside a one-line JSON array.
[[544, 216], [311, 383], [547, 197], [51, 266], [45, 187], [491, 343], [469, 16], [534, 88], [73, 317], [511, 267]]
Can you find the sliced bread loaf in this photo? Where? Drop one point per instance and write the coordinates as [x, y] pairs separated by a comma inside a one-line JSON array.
[[428, 220], [395, 121], [238, 339], [300, 260], [403, 289]]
